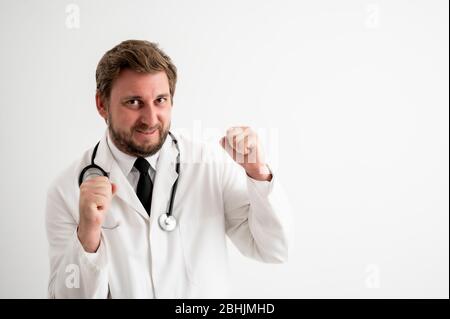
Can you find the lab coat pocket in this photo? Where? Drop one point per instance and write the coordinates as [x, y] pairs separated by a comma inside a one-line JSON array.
[[203, 245]]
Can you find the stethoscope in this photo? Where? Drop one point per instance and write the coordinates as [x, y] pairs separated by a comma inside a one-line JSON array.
[[166, 220]]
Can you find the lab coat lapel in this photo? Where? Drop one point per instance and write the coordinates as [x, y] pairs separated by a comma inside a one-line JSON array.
[[125, 191]]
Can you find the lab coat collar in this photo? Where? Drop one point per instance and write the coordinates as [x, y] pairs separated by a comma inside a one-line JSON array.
[[162, 186]]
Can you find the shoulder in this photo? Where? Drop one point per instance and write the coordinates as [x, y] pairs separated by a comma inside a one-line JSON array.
[[196, 151]]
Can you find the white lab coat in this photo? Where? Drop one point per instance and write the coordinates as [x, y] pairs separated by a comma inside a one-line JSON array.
[[137, 259]]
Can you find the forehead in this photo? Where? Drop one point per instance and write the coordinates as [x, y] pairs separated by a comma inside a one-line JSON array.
[[130, 82]]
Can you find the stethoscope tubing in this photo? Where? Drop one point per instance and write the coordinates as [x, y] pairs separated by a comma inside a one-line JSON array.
[[168, 214]]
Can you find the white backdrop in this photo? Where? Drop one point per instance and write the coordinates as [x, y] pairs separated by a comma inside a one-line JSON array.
[[353, 96]]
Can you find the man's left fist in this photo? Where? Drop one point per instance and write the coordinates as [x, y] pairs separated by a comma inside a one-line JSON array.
[[243, 145]]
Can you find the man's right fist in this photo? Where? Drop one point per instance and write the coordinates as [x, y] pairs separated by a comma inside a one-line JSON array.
[[95, 198]]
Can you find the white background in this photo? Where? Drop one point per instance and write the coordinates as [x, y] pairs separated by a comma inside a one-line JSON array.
[[356, 91]]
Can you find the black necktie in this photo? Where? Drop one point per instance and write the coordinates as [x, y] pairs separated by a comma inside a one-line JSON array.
[[145, 185]]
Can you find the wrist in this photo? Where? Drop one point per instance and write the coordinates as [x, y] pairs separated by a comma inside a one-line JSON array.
[[89, 238], [260, 172]]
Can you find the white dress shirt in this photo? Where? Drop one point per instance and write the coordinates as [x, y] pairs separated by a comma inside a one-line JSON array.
[[126, 163]]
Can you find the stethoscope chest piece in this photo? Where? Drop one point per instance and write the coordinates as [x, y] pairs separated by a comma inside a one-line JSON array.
[[167, 223]]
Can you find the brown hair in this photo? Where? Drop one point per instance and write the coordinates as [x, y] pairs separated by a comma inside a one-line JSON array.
[[137, 55]]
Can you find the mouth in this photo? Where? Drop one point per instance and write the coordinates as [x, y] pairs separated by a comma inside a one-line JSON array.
[[147, 132]]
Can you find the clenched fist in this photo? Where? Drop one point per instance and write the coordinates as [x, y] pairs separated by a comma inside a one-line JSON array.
[[95, 198], [243, 145]]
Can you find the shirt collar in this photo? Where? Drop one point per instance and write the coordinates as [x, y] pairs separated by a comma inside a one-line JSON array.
[[126, 161]]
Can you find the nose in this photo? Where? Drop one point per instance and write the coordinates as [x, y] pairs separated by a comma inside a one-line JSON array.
[[149, 114]]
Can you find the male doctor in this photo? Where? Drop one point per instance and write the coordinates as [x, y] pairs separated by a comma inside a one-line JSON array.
[[105, 234]]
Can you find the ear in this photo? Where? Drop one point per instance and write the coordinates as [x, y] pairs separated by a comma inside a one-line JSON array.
[[101, 106]]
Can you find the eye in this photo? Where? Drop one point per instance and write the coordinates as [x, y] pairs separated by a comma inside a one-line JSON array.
[[133, 103], [161, 100]]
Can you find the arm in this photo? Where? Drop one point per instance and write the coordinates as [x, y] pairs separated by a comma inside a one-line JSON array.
[[74, 273], [257, 213]]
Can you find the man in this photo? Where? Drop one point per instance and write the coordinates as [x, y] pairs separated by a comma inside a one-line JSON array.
[[105, 234]]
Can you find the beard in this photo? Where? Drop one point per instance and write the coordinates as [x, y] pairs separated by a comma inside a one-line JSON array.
[[124, 140]]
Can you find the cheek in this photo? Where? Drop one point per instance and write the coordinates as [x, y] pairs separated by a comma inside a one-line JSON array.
[[124, 119], [165, 115]]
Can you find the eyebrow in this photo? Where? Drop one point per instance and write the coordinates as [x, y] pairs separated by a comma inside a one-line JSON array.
[[138, 97]]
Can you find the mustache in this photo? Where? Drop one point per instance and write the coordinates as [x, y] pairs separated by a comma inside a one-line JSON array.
[[145, 127]]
